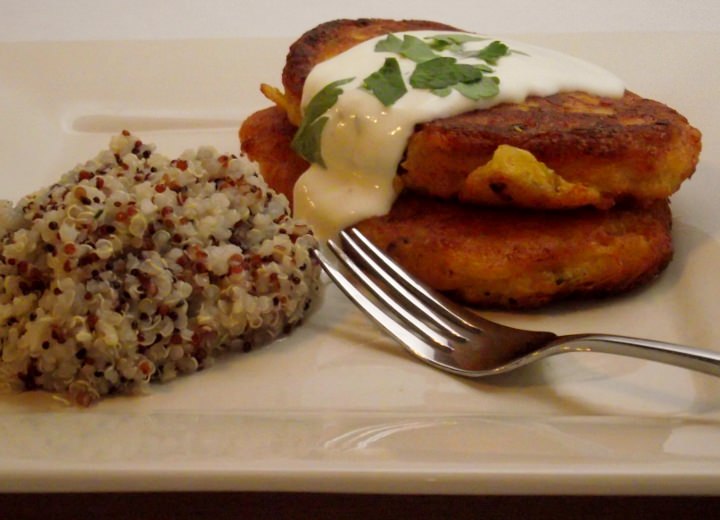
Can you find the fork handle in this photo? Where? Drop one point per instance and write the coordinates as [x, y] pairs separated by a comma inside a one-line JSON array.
[[706, 361]]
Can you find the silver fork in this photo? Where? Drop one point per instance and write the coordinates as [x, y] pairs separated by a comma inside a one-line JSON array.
[[452, 338]]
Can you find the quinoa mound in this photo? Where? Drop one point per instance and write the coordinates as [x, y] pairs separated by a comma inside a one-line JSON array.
[[134, 268]]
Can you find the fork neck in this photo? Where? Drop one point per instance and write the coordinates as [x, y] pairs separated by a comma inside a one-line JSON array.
[[670, 353]]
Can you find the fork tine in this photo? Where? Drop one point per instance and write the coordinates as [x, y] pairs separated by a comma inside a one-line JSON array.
[[393, 305], [435, 302], [379, 270], [431, 354]]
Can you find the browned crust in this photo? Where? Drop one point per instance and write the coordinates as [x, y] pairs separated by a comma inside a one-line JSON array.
[[626, 147], [524, 259]]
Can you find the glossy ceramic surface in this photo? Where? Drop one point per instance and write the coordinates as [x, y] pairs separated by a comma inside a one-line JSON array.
[[337, 406]]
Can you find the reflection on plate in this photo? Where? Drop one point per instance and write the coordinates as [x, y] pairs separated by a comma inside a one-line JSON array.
[[337, 406]]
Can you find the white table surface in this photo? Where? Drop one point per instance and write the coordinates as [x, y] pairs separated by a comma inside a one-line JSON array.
[[30, 20]]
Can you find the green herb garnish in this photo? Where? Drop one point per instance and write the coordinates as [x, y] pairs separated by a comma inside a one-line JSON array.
[[442, 92], [439, 73], [452, 42], [486, 88], [410, 47], [443, 72], [325, 99], [416, 50], [390, 44], [493, 52], [387, 82], [306, 142]]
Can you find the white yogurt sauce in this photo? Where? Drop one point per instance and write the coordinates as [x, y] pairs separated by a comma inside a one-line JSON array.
[[363, 141]]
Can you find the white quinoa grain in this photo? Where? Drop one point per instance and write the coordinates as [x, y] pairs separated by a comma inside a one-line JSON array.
[[134, 267]]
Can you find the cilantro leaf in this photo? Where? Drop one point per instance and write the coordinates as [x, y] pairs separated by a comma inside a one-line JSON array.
[[442, 92], [306, 141], [324, 100], [390, 44], [387, 83], [434, 74], [484, 68], [453, 42], [416, 50], [443, 72], [410, 47], [468, 73], [493, 52], [487, 87]]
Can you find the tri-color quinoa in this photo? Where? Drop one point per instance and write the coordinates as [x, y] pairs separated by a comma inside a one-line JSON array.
[[134, 267]]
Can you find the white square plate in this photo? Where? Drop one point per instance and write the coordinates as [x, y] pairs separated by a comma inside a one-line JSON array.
[[337, 406]]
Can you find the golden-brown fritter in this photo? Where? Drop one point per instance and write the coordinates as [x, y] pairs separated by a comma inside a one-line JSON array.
[[566, 150], [493, 257], [563, 151]]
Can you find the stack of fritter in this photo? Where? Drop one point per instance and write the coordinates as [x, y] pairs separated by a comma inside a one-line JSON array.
[[513, 206]]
